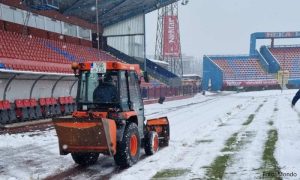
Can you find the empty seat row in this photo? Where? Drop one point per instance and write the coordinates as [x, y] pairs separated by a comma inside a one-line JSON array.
[[242, 69], [7, 113], [15, 46], [31, 109], [67, 105], [288, 58]]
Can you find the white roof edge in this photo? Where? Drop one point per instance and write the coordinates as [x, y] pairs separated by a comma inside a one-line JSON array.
[[34, 73]]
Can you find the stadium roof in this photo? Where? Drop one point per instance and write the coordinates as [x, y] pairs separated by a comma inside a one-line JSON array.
[[110, 11]]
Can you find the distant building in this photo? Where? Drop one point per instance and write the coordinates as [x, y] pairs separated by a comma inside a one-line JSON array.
[[191, 65]]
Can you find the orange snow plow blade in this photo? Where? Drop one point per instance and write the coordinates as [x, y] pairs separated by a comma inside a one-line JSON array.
[[82, 135], [161, 126]]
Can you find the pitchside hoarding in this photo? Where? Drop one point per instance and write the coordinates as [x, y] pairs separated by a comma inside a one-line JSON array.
[[250, 83], [171, 36]]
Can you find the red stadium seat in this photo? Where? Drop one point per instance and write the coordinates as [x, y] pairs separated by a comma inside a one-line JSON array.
[[32, 49], [1, 105]]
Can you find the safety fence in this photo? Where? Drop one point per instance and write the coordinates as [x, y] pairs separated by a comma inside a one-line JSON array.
[[166, 91]]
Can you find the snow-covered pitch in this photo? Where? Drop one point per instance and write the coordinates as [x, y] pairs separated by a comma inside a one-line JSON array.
[[236, 130]]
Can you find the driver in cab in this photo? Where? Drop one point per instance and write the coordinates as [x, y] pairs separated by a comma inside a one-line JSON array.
[[106, 91]]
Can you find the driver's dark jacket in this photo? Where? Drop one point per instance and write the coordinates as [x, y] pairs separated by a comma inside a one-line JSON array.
[[105, 93], [296, 98]]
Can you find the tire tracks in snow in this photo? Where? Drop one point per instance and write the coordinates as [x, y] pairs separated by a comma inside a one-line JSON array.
[[190, 152], [240, 136], [181, 125], [174, 109], [247, 160], [234, 128]]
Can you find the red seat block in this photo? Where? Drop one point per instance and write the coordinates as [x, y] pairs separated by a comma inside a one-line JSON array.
[[19, 103], [62, 100], [6, 104], [48, 101], [53, 101], [70, 98], [26, 102], [42, 101], [33, 103], [1, 105]]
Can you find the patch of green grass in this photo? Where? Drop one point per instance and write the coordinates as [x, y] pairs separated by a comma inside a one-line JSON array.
[[249, 120], [217, 168], [184, 144], [270, 163], [169, 173], [203, 141], [258, 108], [271, 123], [229, 145], [222, 124]]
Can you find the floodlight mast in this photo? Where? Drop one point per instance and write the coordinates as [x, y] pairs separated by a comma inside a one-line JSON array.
[[97, 22], [145, 51]]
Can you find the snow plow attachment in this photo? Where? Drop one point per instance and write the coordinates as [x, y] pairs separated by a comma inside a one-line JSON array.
[[161, 127], [86, 135]]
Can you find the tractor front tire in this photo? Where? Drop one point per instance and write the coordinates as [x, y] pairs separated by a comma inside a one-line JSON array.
[[85, 159], [151, 143], [128, 150]]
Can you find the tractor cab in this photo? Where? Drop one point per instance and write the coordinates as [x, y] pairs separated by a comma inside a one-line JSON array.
[[110, 116], [111, 87], [116, 89]]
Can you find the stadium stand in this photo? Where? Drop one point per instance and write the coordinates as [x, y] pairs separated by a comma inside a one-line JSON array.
[[18, 52], [230, 72], [288, 58], [242, 69]]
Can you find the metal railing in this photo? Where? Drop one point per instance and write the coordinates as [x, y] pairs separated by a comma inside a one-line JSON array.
[[164, 91]]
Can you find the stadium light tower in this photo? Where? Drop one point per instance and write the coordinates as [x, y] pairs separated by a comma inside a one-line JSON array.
[[168, 47], [97, 22]]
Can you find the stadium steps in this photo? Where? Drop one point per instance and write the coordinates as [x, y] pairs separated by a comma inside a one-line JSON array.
[[274, 65]]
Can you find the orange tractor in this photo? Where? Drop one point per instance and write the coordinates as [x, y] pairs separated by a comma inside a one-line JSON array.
[[110, 116]]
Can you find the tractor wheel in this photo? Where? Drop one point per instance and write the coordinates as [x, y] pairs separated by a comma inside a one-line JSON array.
[[128, 150], [151, 143], [85, 159]]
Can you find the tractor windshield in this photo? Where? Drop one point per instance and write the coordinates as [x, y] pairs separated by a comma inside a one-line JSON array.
[[98, 89]]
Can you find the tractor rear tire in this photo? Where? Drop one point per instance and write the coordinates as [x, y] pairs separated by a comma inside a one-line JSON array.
[[85, 159], [128, 150], [151, 143]]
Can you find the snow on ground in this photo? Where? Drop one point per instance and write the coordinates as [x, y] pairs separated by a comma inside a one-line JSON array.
[[199, 128], [288, 147], [247, 161]]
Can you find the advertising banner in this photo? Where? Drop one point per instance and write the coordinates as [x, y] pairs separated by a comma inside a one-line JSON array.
[[250, 83], [171, 36]]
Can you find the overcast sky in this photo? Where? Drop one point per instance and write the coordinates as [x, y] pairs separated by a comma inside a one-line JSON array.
[[224, 26]]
